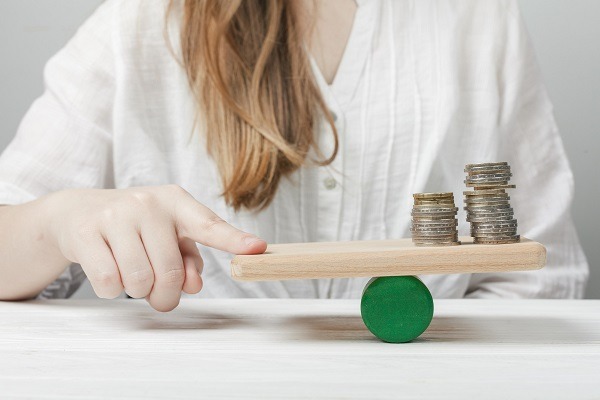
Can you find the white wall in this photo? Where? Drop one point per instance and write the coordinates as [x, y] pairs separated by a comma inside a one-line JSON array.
[[565, 33]]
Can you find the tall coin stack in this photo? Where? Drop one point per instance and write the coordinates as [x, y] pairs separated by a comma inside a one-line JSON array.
[[434, 220], [488, 206]]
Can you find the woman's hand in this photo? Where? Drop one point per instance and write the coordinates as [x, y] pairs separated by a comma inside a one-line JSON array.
[[141, 240]]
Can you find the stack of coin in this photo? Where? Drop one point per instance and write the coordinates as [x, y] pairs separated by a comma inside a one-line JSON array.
[[434, 220], [488, 205]]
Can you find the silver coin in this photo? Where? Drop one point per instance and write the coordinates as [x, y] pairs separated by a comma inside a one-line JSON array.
[[487, 211], [435, 233], [483, 172], [489, 238], [491, 165], [502, 183], [499, 237], [490, 215], [486, 183], [475, 201], [431, 227], [494, 235], [425, 216], [427, 213], [489, 177], [435, 244], [490, 182], [497, 225], [486, 187], [488, 171], [434, 204], [490, 219], [484, 202], [515, 239], [484, 206], [423, 213], [435, 238], [434, 200], [434, 208], [489, 204], [469, 193], [450, 233], [433, 195], [507, 212], [449, 203], [429, 221], [485, 199], [434, 229], [494, 230], [495, 242], [492, 205]]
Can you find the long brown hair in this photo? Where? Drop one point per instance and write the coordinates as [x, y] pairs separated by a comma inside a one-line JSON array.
[[247, 65]]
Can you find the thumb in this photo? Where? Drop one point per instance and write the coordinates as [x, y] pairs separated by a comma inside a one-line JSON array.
[[197, 222]]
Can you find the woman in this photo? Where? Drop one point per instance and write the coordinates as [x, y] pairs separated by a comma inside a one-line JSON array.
[[292, 120]]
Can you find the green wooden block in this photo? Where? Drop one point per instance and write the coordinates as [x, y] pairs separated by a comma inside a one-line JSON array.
[[396, 309]]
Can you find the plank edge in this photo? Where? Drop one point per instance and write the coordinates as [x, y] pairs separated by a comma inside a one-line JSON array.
[[271, 267]]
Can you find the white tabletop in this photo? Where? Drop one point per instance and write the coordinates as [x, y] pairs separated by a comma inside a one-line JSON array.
[[284, 349]]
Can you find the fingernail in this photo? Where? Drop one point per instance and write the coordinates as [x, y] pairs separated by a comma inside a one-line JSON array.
[[251, 240]]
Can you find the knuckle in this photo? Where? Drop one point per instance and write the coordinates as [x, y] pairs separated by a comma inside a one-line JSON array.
[[105, 278], [139, 279], [109, 213], [143, 198], [173, 277], [106, 284]]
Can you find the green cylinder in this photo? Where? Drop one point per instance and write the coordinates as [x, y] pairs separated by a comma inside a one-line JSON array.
[[396, 309]]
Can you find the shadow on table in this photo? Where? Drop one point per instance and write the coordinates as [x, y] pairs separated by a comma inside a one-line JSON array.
[[443, 329], [331, 327], [513, 329], [540, 330]]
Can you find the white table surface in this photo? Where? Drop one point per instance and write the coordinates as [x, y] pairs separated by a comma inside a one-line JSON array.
[[287, 349]]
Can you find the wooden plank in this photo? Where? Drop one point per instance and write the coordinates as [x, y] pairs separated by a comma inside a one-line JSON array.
[[384, 258]]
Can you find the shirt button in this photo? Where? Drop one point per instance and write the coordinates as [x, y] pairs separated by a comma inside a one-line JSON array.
[[333, 116], [329, 183]]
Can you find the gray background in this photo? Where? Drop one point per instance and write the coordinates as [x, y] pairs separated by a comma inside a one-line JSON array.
[[565, 33]]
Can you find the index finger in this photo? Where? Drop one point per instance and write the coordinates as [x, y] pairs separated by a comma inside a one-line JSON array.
[[197, 222]]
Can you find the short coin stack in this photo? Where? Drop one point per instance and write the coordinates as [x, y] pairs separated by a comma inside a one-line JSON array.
[[434, 220], [488, 207]]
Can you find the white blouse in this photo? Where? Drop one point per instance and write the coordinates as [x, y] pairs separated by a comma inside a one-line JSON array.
[[424, 87]]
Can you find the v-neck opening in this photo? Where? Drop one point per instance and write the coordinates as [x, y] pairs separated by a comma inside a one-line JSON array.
[[356, 52]]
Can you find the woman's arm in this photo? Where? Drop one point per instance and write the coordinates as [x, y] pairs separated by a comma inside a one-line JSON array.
[[141, 240], [29, 262]]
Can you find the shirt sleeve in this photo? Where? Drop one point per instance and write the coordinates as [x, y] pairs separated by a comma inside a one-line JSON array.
[[64, 140], [530, 141]]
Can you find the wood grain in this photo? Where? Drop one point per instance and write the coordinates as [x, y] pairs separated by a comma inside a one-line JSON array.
[[294, 349], [384, 258]]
